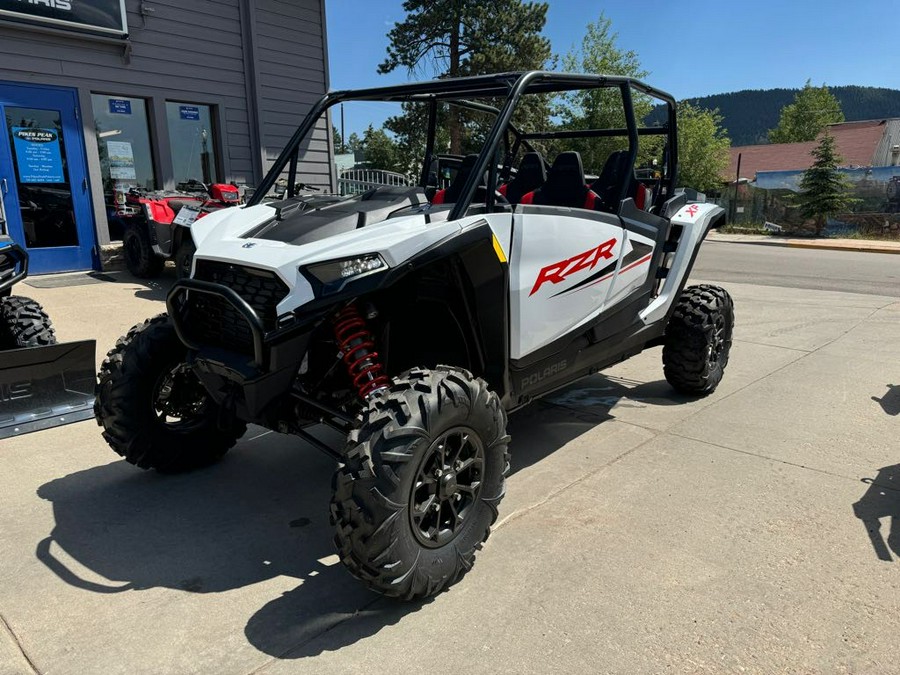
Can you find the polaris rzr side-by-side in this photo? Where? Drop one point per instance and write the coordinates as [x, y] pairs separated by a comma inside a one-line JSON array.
[[413, 319], [160, 227]]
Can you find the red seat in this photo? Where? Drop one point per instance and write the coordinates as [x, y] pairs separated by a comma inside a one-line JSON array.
[[530, 176], [451, 194], [564, 186], [609, 185]]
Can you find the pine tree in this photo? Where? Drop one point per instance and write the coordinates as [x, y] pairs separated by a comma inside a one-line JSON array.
[[824, 189], [804, 119], [455, 38]]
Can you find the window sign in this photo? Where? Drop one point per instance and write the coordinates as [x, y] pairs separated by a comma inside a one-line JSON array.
[[119, 106], [189, 112], [38, 155], [121, 160], [104, 16]]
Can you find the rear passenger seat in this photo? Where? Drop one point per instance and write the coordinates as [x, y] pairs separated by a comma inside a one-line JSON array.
[[530, 176], [565, 185], [609, 184]]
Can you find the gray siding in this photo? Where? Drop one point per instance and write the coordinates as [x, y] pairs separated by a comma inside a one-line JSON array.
[[260, 63], [884, 155], [290, 52]]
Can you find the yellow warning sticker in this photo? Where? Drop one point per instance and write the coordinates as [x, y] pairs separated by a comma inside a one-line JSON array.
[[501, 256]]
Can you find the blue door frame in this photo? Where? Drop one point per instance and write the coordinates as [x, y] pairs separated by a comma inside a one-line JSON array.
[[37, 168]]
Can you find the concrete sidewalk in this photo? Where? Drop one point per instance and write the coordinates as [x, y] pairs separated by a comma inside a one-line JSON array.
[[750, 531], [864, 245]]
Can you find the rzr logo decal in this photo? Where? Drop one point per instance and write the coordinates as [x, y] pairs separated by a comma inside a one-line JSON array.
[[583, 261]]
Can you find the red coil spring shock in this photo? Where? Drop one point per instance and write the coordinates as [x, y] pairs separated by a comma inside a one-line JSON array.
[[357, 345]]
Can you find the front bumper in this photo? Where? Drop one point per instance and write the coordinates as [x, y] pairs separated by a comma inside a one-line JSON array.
[[244, 364], [13, 266]]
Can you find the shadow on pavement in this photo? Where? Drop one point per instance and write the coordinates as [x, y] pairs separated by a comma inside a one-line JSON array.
[[882, 500], [890, 402], [259, 514]]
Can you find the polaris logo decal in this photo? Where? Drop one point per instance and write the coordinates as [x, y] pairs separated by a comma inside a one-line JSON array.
[[559, 271], [549, 371], [52, 4], [15, 391]]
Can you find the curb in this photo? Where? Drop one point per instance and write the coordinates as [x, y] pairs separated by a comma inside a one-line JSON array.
[[837, 247], [874, 247]]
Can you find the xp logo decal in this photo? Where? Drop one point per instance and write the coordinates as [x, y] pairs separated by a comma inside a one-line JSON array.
[[583, 261], [692, 210]]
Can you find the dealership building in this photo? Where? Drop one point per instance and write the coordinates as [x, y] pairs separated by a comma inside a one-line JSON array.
[[101, 96]]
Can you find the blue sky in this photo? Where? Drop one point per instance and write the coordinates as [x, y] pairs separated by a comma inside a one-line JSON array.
[[690, 47]]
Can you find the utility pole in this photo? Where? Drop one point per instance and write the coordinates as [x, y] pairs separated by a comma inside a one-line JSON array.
[[737, 181]]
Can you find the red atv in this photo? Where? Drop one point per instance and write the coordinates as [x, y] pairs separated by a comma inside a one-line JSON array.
[[161, 229]]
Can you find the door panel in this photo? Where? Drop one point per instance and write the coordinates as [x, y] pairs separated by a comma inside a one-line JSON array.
[[43, 179], [561, 272]]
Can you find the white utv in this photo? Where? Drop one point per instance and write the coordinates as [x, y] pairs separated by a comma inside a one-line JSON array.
[[413, 319]]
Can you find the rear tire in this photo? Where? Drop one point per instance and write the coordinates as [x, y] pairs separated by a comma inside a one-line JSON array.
[[403, 528], [153, 409], [24, 323], [698, 340], [140, 259]]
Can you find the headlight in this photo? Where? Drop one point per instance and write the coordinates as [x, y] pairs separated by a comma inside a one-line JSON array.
[[335, 273]]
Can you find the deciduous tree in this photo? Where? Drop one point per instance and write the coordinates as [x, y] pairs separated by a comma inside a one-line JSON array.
[[804, 119], [380, 150], [703, 148], [600, 54]]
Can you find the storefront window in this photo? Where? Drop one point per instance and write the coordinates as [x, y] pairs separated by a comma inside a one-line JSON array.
[[191, 135], [123, 138]]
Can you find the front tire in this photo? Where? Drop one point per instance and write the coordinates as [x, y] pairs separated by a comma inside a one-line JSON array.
[[698, 340], [421, 482], [184, 259], [153, 409], [140, 259], [24, 323]]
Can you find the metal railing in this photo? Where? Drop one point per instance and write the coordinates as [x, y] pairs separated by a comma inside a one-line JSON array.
[[357, 181]]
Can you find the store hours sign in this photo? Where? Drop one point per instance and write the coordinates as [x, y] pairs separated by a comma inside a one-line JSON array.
[[104, 16], [38, 155]]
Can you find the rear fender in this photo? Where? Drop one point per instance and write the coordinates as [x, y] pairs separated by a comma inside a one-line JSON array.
[[695, 221]]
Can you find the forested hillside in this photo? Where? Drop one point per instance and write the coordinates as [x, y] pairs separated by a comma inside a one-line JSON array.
[[749, 114]]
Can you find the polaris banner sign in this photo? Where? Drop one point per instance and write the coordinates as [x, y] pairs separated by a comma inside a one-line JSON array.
[[103, 16]]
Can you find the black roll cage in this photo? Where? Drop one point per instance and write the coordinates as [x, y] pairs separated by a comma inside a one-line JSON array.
[[512, 86]]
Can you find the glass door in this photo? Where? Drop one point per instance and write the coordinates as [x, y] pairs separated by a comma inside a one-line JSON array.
[[42, 177]]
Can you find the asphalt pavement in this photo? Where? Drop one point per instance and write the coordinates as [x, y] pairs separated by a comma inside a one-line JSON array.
[[753, 531], [814, 269]]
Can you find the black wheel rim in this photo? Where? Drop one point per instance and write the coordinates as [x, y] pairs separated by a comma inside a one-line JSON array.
[[179, 400], [447, 487], [719, 340]]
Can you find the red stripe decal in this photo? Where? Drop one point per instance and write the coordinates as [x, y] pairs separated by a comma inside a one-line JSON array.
[[625, 269], [635, 264], [594, 283]]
